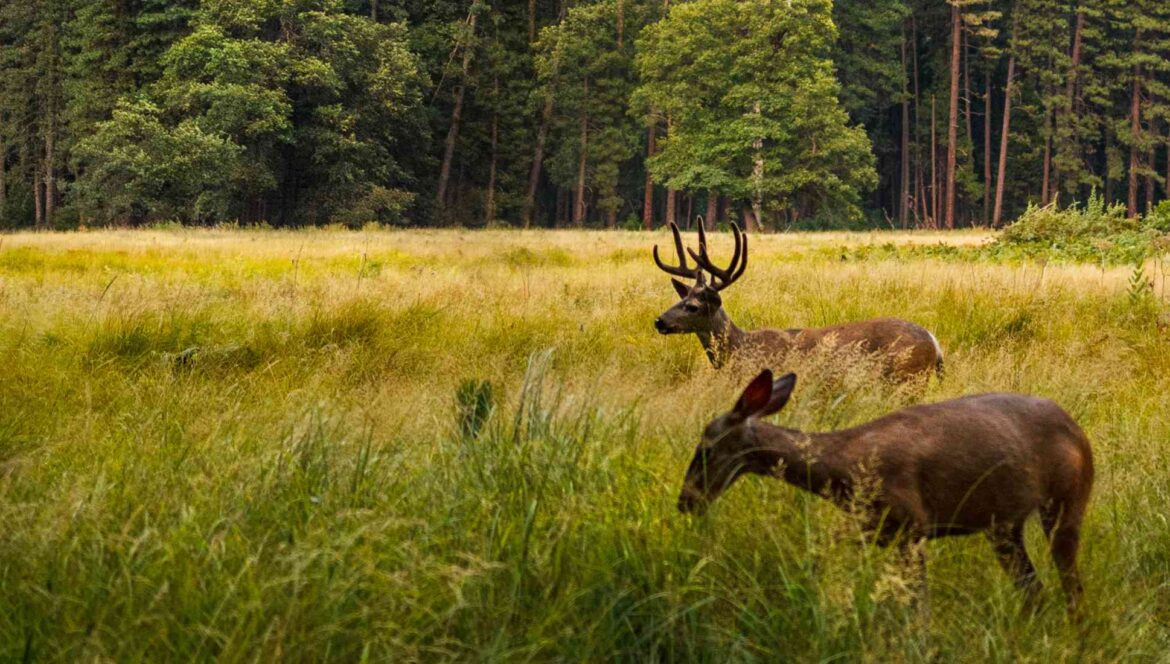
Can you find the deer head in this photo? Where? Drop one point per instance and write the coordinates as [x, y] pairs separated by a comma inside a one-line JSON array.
[[729, 448], [695, 311]]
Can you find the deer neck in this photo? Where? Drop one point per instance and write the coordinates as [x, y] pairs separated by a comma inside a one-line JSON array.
[[806, 461], [722, 340]]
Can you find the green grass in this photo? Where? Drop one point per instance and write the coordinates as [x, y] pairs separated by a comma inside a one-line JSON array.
[[420, 446]]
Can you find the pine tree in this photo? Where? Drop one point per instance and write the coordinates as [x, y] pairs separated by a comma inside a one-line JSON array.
[[748, 85], [593, 133]]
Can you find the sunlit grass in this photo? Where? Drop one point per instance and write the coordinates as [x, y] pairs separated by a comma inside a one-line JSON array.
[[248, 445]]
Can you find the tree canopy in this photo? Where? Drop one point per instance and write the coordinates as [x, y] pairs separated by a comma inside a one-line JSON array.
[[811, 113]]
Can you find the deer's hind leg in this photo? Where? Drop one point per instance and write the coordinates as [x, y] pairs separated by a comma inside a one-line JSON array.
[[1008, 542], [1063, 528]]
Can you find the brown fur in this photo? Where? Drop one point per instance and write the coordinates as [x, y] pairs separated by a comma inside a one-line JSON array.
[[981, 463], [906, 351]]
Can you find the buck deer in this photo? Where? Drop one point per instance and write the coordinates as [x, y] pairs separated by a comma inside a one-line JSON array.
[[906, 350], [976, 464]]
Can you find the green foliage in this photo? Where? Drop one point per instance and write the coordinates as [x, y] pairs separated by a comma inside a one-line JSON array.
[[313, 113], [474, 404], [869, 84], [591, 78], [748, 94], [341, 108], [1094, 231], [1159, 217], [138, 169]]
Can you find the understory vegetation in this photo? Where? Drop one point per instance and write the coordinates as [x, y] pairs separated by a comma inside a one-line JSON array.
[[1093, 231], [440, 445]]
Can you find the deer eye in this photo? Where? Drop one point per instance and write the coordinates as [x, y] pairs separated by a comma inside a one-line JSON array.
[[691, 307]]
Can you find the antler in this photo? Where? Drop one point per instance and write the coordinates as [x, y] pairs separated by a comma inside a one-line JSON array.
[[722, 278], [682, 269]]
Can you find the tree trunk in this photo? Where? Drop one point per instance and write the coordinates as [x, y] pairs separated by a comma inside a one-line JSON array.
[[648, 196], [953, 119], [987, 151], [3, 176], [620, 10], [966, 59], [933, 168], [531, 21], [712, 216], [537, 162], [374, 10], [1135, 128], [1108, 187], [921, 209], [489, 205], [1073, 75], [1003, 142], [38, 209], [751, 222], [456, 119], [671, 195], [904, 191], [1149, 180], [758, 175], [1046, 169], [50, 173], [582, 160], [542, 131]]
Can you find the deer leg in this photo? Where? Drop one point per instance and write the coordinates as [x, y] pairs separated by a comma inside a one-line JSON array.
[[1013, 557], [1064, 537]]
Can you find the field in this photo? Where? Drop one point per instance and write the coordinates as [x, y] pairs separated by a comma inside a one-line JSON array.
[[248, 445]]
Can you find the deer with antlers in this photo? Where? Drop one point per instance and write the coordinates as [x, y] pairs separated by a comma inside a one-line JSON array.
[[977, 464], [906, 350]]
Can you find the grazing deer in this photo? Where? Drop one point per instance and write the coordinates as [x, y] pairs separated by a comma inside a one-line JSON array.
[[977, 464], [906, 350]]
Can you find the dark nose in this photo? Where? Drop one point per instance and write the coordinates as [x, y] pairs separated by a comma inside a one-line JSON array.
[[691, 501], [660, 325]]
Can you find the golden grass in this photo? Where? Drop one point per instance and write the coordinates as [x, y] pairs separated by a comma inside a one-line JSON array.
[[243, 444]]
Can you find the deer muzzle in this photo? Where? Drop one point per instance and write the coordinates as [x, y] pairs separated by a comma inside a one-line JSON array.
[[691, 501]]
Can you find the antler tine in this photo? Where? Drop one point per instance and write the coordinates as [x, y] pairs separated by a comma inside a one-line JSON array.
[[682, 269], [722, 278], [743, 260]]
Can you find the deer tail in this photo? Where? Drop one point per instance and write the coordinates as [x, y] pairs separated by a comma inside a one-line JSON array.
[[939, 369]]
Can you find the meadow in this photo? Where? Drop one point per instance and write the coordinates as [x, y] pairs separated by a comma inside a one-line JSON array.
[[251, 445]]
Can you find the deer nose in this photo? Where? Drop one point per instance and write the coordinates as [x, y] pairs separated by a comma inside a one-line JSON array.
[[690, 501], [660, 325]]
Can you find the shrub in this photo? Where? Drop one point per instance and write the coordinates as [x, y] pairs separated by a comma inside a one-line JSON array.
[[1093, 231]]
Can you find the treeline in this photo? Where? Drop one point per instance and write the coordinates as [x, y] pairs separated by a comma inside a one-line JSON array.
[[777, 113]]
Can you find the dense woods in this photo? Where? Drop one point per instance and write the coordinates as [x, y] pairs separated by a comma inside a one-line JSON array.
[[778, 113]]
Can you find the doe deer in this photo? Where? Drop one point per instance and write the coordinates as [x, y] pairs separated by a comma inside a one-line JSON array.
[[980, 463], [906, 350]]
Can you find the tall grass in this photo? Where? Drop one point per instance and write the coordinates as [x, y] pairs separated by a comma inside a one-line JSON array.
[[442, 445]]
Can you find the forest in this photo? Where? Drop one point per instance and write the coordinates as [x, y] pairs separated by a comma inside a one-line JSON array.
[[558, 113]]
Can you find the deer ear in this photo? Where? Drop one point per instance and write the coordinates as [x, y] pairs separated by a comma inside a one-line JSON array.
[[781, 391], [679, 287], [755, 396]]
